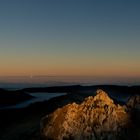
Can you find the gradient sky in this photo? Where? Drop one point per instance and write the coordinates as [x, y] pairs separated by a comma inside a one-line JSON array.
[[70, 37]]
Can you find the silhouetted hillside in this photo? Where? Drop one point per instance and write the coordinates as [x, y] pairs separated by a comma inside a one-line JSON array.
[[8, 98]]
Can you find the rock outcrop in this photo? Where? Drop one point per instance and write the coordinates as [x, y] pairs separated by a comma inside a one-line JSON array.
[[133, 106], [95, 118], [134, 102]]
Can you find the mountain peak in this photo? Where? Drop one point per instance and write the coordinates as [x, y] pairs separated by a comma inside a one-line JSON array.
[[97, 117]]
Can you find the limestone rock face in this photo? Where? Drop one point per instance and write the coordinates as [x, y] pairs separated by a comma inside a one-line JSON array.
[[134, 102], [95, 118]]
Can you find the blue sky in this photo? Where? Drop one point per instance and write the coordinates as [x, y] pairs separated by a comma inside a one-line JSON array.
[[70, 37]]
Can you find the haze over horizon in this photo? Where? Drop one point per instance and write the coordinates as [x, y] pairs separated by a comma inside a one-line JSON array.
[[39, 81], [70, 38]]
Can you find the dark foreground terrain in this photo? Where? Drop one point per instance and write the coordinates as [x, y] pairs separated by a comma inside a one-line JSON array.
[[24, 124]]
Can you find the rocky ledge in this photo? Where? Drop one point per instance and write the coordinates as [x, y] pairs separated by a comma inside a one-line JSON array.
[[96, 118]]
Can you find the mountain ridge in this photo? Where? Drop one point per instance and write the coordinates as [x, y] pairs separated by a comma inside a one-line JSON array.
[[97, 117]]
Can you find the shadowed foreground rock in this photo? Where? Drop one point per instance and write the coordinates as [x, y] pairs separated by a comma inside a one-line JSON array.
[[133, 102], [95, 118]]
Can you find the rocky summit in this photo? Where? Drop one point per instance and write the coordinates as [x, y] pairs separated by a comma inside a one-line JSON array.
[[96, 118]]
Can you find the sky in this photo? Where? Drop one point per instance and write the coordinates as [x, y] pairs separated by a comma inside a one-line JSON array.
[[70, 37]]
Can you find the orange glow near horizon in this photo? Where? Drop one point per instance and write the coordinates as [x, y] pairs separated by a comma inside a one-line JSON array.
[[68, 65], [71, 71]]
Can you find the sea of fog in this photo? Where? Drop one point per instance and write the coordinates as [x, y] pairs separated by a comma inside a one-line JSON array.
[[19, 82], [38, 97]]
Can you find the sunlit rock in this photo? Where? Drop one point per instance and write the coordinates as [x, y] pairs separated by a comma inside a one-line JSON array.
[[95, 118]]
